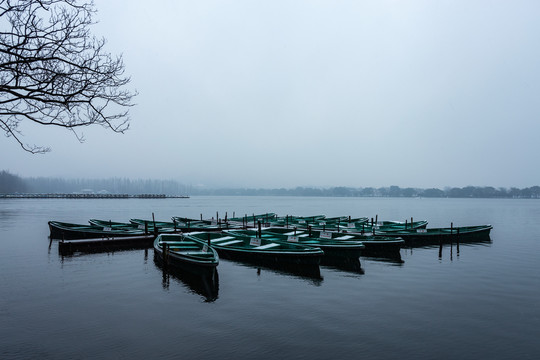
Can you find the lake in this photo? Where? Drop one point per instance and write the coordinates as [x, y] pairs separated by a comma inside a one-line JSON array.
[[480, 302]]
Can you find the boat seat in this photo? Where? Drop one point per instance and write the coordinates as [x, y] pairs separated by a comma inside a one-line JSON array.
[[303, 235], [189, 243], [267, 246], [180, 248], [346, 237], [230, 242], [222, 238], [194, 253]]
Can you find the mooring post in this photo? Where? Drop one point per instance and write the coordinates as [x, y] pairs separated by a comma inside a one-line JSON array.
[[155, 227], [376, 219], [201, 217], [451, 228], [371, 221], [457, 242], [295, 231], [254, 220], [174, 222], [362, 228], [259, 227], [309, 229], [406, 224], [164, 245], [287, 221]]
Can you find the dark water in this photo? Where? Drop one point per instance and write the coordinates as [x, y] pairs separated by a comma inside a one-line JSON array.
[[483, 302]]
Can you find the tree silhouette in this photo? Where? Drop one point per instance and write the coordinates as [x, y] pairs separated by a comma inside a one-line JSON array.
[[53, 72]]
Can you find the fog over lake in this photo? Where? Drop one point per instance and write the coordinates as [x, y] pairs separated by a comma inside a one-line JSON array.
[[312, 93]]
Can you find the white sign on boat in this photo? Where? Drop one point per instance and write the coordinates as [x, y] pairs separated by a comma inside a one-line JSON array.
[[325, 235]]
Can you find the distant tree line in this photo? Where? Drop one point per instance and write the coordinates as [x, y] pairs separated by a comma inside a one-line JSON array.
[[10, 183], [392, 191]]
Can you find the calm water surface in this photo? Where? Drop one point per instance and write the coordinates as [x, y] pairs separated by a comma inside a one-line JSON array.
[[483, 302]]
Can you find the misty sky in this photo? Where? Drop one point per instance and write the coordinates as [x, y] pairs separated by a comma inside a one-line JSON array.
[[314, 93]]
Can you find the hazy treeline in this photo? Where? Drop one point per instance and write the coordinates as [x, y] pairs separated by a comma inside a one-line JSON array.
[[392, 191], [14, 184], [113, 186], [10, 183]]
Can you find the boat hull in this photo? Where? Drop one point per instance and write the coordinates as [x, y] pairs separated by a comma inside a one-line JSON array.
[[178, 259], [96, 245], [443, 235], [73, 231]]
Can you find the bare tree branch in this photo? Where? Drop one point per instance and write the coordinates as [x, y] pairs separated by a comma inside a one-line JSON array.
[[54, 72]]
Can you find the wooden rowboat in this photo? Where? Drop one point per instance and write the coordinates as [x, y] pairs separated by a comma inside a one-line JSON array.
[[418, 236], [330, 247], [188, 225], [69, 231], [373, 245], [176, 226], [190, 254], [247, 248]]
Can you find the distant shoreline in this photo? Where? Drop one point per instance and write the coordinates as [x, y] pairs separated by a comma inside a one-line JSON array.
[[126, 188], [163, 196]]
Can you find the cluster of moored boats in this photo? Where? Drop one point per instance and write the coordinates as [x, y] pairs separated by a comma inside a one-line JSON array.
[[195, 245]]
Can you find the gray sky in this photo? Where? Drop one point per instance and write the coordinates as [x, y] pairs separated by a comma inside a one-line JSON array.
[[314, 93]]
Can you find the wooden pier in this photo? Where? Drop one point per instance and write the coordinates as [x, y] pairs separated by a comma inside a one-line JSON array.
[[90, 196]]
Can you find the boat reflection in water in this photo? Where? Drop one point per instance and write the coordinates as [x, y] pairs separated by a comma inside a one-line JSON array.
[[452, 245], [393, 258], [434, 242], [310, 273], [349, 264], [206, 285]]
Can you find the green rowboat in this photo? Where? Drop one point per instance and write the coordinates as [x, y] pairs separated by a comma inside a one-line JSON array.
[[190, 254], [70, 231], [330, 247], [374, 245], [434, 235], [241, 247]]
